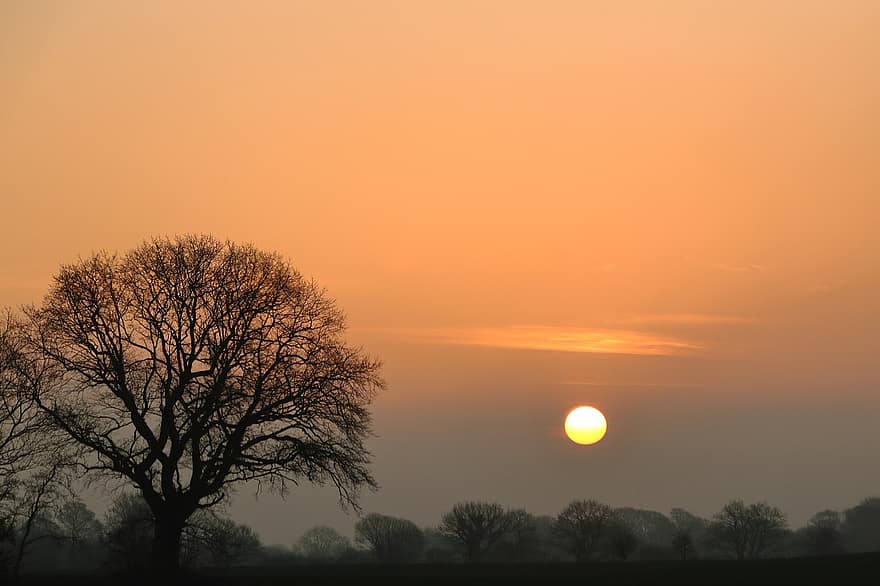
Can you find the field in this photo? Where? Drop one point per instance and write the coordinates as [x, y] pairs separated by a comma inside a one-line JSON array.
[[849, 569]]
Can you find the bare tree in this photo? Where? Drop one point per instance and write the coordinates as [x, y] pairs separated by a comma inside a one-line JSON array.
[[188, 365], [226, 542], [322, 544], [40, 492], [476, 526], [582, 524], [748, 531], [823, 533], [128, 531], [522, 533], [77, 523], [689, 530], [392, 540]]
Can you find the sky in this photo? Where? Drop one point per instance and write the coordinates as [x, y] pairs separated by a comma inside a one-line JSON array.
[[666, 210]]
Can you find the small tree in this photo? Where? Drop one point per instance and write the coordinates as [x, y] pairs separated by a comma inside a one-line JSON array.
[[226, 542], [823, 533], [391, 540], [622, 539], [323, 544], [128, 527], [476, 526], [748, 531], [522, 533], [582, 524], [689, 529], [77, 523]]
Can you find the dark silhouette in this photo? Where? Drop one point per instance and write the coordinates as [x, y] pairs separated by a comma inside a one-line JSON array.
[[323, 544], [390, 539], [226, 542], [188, 365], [689, 530], [476, 526], [748, 531], [861, 526], [823, 533], [582, 524]]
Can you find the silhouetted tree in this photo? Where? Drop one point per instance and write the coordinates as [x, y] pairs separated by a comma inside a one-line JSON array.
[[582, 524], [861, 526], [226, 542], [189, 364], [476, 526], [748, 531], [521, 534], [390, 539], [689, 529], [622, 539], [77, 523], [322, 544], [129, 529], [823, 533], [39, 494]]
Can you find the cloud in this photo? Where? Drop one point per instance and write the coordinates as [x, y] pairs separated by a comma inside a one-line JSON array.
[[557, 339], [689, 319], [744, 268]]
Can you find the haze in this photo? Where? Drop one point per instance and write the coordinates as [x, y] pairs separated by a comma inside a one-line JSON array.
[[667, 211]]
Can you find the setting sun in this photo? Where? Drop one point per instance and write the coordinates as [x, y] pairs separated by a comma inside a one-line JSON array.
[[585, 425]]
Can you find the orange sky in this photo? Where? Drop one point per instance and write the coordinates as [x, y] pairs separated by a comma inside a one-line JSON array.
[[667, 209]]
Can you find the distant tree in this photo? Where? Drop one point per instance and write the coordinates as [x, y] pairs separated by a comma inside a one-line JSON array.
[[622, 539], [582, 524], [521, 533], [25, 437], [189, 364], [38, 496], [861, 526], [226, 542], [748, 531], [688, 530], [476, 526], [128, 527], [823, 533], [77, 523], [390, 539], [323, 544]]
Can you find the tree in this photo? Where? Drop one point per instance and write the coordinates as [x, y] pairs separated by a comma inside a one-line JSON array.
[[188, 365], [689, 529], [323, 544], [823, 533], [390, 539], [622, 538], [225, 541], [748, 531], [77, 523], [521, 533], [129, 529], [582, 524], [861, 526], [476, 526]]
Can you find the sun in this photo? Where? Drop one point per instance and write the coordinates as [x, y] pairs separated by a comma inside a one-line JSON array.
[[585, 425]]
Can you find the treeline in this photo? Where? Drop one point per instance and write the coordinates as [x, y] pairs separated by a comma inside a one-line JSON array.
[[50, 530], [588, 530]]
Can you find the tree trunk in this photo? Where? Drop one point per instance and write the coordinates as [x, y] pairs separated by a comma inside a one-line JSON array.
[[166, 544]]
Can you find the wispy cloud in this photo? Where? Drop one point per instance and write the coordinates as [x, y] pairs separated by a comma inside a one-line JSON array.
[[557, 339], [692, 319], [743, 268]]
